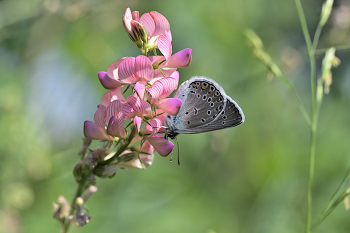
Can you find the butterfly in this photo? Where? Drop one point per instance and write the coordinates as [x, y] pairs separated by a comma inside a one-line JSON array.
[[205, 107]]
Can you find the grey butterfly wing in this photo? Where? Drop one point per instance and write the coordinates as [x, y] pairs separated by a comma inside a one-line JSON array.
[[203, 102], [231, 116]]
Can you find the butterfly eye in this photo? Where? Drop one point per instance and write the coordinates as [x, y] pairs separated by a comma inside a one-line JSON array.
[[209, 99], [204, 86], [223, 122], [217, 93], [188, 122], [198, 96], [211, 104], [220, 99], [203, 120], [204, 97], [208, 112]]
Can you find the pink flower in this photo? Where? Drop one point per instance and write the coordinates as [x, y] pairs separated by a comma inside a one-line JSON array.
[[134, 28], [136, 108], [127, 70], [161, 89], [144, 159], [180, 59], [154, 23], [108, 122], [153, 134]]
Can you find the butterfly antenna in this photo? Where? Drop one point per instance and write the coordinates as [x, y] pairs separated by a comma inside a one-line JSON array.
[[178, 152]]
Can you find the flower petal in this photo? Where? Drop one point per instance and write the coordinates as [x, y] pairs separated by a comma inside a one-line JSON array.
[[126, 70], [100, 116], [140, 88], [161, 145], [110, 96], [143, 67], [137, 122], [156, 125], [135, 16], [180, 59], [158, 74], [126, 20], [112, 70], [170, 105], [115, 109], [161, 23], [107, 82], [128, 111], [93, 131], [164, 45], [163, 87], [148, 22], [139, 106], [115, 127], [147, 148]]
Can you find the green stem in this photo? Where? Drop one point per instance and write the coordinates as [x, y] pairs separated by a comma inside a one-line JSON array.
[[314, 113], [121, 149], [317, 36], [339, 47], [292, 90], [334, 201], [78, 193]]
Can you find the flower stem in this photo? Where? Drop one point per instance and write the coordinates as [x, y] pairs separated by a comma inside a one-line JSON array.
[[314, 110], [339, 47], [78, 193]]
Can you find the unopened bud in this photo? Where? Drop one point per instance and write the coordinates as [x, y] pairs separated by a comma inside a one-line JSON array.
[[86, 144], [99, 154], [326, 11], [107, 171], [79, 201]]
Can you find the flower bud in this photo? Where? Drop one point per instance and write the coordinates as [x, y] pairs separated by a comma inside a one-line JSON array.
[[107, 171], [99, 154], [86, 144], [61, 210], [135, 29], [326, 11]]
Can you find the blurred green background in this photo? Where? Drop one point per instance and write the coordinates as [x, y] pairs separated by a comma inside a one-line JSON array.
[[249, 179]]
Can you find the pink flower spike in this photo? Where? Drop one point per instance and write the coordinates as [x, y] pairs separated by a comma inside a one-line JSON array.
[[140, 106], [110, 96], [137, 122], [161, 145], [93, 131], [107, 82], [115, 128], [161, 23], [164, 45], [170, 105], [126, 71], [180, 59], [143, 68], [100, 116]]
